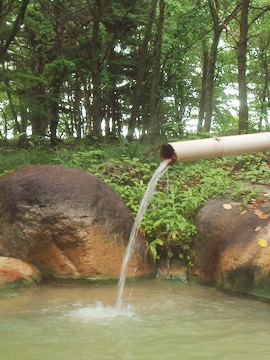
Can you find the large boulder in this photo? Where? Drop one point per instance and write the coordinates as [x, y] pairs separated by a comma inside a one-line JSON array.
[[232, 246], [68, 223]]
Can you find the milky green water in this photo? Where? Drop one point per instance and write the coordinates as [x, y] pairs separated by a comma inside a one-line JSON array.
[[158, 320]]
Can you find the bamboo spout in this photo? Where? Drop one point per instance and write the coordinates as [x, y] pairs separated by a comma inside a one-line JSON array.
[[184, 151]]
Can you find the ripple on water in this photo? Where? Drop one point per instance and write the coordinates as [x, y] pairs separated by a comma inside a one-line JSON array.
[[100, 313]]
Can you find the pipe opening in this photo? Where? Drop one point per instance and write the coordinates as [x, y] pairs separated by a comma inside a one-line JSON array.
[[167, 153]]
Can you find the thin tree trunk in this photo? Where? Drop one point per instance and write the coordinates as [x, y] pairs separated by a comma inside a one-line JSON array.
[[264, 96], [203, 88], [54, 110], [114, 110], [15, 28], [24, 117], [76, 108], [87, 106], [107, 120], [209, 90], [17, 127], [218, 25], [95, 67], [242, 65], [154, 124], [59, 16], [140, 71], [111, 108], [39, 117]]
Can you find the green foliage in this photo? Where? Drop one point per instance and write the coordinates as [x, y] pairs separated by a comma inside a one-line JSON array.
[[245, 193], [172, 128], [169, 220], [55, 59], [19, 78], [252, 167], [11, 159], [58, 70]]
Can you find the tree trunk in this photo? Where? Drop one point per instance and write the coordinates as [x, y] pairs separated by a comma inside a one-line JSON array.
[[107, 119], [39, 116], [242, 65], [111, 116], [15, 28], [77, 108], [264, 95], [203, 88], [59, 9], [95, 67], [17, 127], [218, 26], [54, 111], [140, 71], [211, 62], [211, 79], [112, 112], [154, 124], [87, 106], [39, 124]]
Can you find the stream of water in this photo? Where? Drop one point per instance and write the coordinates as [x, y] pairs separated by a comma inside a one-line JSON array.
[[163, 167]]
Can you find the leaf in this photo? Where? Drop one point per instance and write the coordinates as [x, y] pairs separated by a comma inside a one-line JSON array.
[[243, 212], [266, 195], [262, 242], [159, 242], [141, 231], [157, 223], [227, 206], [260, 214], [258, 228]]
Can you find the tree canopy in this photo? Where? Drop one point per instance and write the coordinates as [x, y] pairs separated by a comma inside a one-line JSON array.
[[140, 68]]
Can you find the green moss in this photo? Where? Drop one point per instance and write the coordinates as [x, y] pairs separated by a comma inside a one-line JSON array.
[[84, 280], [240, 279], [244, 280], [18, 284]]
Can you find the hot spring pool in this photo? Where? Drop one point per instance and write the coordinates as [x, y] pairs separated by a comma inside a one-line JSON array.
[[160, 320]]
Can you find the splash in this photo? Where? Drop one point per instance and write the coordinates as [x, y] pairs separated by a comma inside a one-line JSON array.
[[163, 167], [98, 313]]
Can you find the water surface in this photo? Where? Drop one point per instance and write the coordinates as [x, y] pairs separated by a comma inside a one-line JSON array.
[[159, 320]]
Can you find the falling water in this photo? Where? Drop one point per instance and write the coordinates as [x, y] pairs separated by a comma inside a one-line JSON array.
[[163, 167]]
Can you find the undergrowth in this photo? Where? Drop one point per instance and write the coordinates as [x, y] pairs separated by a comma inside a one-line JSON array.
[[169, 221]]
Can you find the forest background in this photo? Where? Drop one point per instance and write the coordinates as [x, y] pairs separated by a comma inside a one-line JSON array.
[[80, 80], [133, 68]]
